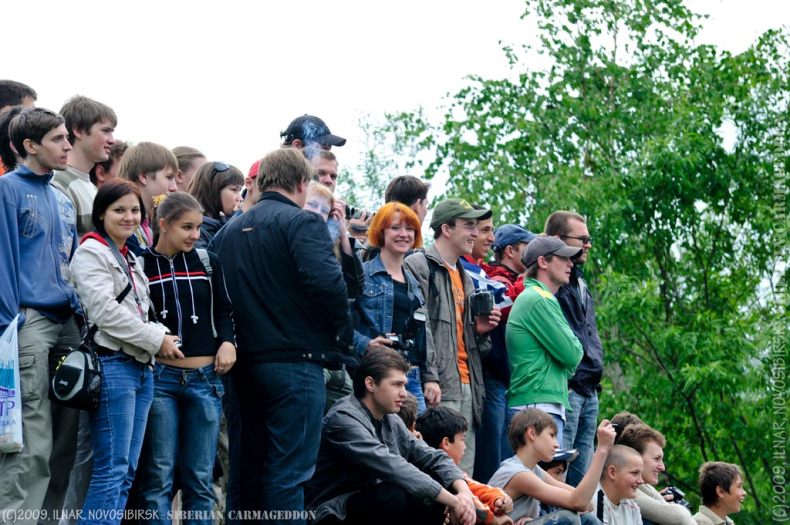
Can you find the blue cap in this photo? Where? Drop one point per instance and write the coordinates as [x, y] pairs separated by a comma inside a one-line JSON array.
[[510, 234]]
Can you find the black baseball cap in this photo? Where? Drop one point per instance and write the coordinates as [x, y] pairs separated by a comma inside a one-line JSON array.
[[308, 128]]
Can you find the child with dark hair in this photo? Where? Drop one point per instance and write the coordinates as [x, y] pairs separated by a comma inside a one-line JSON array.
[[721, 488], [443, 428]]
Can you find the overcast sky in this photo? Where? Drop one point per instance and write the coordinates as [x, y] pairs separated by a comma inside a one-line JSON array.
[[227, 76]]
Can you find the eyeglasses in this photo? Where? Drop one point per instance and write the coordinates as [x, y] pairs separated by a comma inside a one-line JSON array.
[[468, 226], [584, 240], [219, 167]]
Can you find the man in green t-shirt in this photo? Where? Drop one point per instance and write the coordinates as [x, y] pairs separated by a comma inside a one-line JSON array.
[[542, 349]]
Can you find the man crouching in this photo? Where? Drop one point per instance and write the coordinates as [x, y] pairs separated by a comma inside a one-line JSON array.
[[371, 469]]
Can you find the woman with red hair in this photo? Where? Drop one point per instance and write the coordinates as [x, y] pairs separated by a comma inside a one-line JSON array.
[[391, 313]]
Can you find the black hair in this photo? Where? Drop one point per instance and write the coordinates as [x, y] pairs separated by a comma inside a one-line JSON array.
[[13, 93], [440, 422], [7, 154], [406, 189]]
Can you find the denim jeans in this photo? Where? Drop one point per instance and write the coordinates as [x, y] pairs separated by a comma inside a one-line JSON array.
[[580, 433], [492, 445], [183, 426], [566, 517], [117, 430], [414, 387], [281, 409]]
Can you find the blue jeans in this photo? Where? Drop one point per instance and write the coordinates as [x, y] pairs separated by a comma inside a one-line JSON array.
[[493, 445], [282, 405], [117, 430], [580, 433], [414, 387], [183, 426], [566, 517]]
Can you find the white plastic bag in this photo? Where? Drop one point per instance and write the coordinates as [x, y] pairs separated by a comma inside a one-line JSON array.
[[10, 395]]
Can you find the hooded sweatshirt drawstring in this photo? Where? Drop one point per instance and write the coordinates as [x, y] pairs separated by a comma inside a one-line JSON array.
[[194, 316], [163, 313]]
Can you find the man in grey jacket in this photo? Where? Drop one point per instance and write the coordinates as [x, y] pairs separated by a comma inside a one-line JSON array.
[[459, 337], [371, 469]]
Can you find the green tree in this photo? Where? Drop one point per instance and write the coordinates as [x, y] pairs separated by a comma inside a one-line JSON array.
[[625, 127]]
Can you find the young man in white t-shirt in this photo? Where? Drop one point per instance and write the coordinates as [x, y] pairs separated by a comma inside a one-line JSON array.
[[614, 500]]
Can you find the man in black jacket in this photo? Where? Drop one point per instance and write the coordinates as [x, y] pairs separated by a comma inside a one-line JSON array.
[[579, 310], [291, 317]]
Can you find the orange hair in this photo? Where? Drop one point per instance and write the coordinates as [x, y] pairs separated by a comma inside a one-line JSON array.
[[384, 219]]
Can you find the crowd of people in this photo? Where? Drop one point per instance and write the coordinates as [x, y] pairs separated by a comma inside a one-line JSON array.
[[271, 354]]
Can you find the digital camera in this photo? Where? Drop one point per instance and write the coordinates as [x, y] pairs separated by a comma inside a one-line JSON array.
[[678, 496], [481, 302], [405, 341]]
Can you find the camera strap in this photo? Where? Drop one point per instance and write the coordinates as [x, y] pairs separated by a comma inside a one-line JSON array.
[[599, 507]]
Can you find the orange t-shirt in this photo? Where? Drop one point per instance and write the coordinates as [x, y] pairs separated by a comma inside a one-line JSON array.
[[458, 296]]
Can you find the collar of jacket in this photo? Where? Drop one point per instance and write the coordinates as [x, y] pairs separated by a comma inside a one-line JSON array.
[[276, 196], [96, 236], [576, 273], [529, 281], [26, 173], [433, 254]]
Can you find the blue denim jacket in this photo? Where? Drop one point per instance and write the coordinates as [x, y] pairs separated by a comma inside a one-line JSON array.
[[377, 301]]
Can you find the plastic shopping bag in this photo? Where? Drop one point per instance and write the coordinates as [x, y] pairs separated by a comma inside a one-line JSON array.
[[10, 395]]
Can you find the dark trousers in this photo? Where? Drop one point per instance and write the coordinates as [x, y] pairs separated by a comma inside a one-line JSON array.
[[282, 405], [387, 504]]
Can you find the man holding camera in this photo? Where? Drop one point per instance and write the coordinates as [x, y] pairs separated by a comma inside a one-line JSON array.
[[541, 347], [460, 336]]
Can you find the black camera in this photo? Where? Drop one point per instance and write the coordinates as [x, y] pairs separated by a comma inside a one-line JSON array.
[[405, 341], [481, 303], [678, 496], [351, 212]]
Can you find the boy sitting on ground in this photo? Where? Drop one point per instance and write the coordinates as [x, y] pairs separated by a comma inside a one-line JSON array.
[[721, 488], [614, 500], [443, 428], [533, 436]]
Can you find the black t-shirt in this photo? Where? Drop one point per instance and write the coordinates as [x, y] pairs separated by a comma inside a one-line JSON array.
[[401, 307]]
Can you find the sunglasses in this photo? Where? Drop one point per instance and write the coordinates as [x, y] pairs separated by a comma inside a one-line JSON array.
[[584, 240], [219, 167]]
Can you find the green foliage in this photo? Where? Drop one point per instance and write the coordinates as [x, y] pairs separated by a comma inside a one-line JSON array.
[[625, 127]]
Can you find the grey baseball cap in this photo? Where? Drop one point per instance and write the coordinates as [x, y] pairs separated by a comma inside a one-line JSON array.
[[542, 246]]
